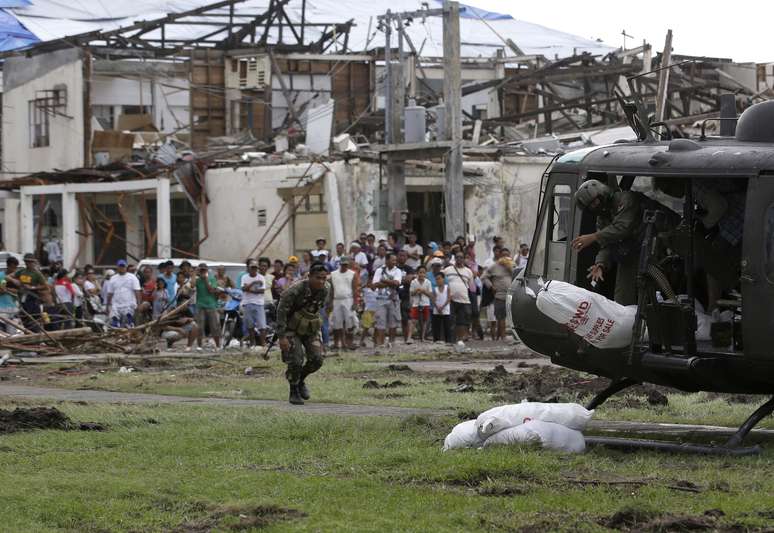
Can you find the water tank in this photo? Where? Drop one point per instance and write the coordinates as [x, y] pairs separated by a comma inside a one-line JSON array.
[[415, 124], [440, 122], [756, 123]]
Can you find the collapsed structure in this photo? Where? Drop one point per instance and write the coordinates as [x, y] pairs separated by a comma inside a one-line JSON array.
[[247, 127]]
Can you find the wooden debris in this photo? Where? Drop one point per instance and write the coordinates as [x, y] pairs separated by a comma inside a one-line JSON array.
[[87, 340]]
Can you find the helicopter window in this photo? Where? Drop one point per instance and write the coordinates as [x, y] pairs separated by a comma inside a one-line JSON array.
[[770, 243], [560, 217]]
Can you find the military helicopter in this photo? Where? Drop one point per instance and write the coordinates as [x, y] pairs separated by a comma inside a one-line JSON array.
[[671, 171]]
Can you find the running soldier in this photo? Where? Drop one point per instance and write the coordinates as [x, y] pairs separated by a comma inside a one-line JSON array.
[[298, 330]]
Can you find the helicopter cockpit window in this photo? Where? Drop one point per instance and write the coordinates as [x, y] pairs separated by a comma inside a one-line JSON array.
[[769, 221], [553, 234]]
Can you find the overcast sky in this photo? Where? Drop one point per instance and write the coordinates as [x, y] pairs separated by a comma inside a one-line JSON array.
[[739, 31]]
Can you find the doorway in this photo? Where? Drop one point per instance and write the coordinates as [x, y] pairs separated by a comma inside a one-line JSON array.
[[427, 211]]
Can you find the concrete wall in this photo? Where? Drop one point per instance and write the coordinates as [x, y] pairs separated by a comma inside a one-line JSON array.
[[236, 195], [22, 81], [169, 98], [504, 202], [501, 202]]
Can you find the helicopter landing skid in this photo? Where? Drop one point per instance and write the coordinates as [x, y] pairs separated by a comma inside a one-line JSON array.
[[615, 387], [665, 446], [732, 446]]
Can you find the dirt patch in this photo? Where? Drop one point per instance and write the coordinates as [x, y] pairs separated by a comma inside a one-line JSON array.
[[550, 384], [27, 419], [501, 490], [240, 519], [373, 384], [679, 523], [399, 368], [629, 517], [634, 519]]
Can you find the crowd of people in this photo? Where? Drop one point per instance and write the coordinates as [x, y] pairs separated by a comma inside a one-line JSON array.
[[384, 290], [392, 291]]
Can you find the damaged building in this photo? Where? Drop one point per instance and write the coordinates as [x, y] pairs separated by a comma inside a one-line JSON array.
[[245, 127]]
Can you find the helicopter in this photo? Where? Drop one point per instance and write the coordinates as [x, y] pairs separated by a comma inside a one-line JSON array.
[[671, 285]]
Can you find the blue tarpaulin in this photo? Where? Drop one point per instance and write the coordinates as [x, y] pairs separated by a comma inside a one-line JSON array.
[[470, 12], [12, 34]]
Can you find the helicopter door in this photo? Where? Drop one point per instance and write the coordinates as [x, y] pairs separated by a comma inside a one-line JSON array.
[[549, 260], [758, 269]]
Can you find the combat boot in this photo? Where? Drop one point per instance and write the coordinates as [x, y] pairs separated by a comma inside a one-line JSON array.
[[303, 390], [295, 398]]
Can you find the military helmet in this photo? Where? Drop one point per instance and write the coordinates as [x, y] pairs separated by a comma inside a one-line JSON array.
[[591, 190]]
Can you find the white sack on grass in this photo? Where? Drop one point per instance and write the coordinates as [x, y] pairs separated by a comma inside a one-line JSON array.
[[572, 415], [551, 436], [601, 322], [463, 435]]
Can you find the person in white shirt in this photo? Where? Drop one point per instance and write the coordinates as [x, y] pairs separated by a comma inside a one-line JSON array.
[[441, 320], [387, 280], [320, 243], [123, 296], [359, 257], [253, 290], [458, 278], [413, 250], [421, 291], [336, 259], [344, 287]]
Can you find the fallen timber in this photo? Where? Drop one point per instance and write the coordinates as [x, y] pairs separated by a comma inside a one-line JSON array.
[[140, 339]]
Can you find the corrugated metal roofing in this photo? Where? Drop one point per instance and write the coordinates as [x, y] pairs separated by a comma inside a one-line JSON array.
[[53, 19]]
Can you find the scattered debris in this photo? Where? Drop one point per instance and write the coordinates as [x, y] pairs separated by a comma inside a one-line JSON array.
[[371, 384]]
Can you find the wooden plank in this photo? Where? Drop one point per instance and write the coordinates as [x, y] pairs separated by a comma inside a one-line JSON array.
[[663, 79]]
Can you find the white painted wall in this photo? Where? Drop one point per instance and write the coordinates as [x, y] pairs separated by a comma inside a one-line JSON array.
[[168, 96], [66, 134], [236, 195], [502, 202]]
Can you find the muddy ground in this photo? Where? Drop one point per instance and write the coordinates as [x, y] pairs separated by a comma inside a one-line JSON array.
[[28, 419]]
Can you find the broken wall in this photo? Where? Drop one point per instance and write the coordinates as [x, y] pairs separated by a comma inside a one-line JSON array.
[[26, 79], [244, 202]]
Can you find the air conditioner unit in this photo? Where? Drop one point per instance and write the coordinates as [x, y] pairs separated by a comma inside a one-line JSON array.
[[252, 72]]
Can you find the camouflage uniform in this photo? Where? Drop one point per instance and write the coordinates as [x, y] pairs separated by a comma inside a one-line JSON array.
[[298, 318], [620, 234]]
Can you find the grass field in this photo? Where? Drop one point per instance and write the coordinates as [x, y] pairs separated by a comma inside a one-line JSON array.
[[197, 468], [193, 468]]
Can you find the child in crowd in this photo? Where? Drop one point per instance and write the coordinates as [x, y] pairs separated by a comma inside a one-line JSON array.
[[441, 310], [160, 298], [421, 291], [367, 320]]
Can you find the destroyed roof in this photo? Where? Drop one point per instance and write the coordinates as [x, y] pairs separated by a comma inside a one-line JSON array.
[[481, 31]]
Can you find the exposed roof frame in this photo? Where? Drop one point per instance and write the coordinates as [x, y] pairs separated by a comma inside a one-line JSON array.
[[148, 39]]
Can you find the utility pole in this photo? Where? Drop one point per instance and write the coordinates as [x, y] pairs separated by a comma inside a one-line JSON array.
[[395, 102], [454, 191]]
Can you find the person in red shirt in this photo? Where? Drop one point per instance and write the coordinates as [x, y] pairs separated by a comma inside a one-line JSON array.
[[148, 284]]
